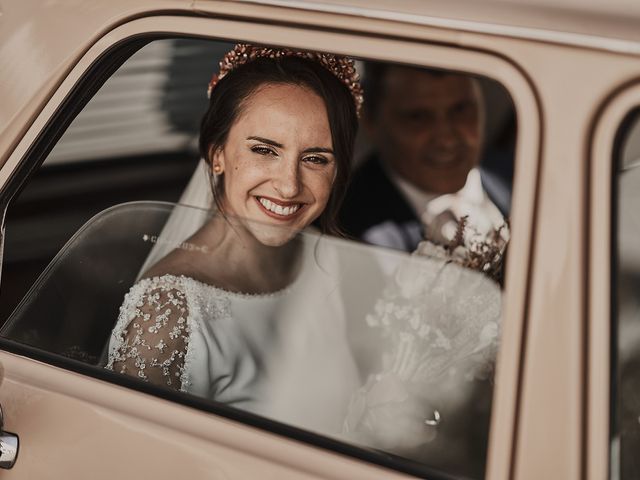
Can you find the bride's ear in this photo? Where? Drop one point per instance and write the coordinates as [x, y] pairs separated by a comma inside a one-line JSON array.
[[216, 157]]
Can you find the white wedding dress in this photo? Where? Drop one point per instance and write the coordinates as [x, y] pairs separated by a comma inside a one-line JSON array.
[[424, 332], [283, 355]]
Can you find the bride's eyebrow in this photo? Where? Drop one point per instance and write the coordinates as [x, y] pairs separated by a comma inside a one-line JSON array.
[[318, 150], [273, 143]]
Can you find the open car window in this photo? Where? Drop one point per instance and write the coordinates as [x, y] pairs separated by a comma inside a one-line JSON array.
[[381, 334]]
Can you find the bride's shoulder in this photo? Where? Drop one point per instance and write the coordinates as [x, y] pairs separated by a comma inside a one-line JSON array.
[[174, 266], [163, 282], [169, 279], [176, 271], [154, 292]]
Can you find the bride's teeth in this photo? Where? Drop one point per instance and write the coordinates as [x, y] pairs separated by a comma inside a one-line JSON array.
[[266, 203], [278, 209]]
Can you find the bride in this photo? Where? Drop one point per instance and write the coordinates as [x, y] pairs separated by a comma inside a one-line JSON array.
[[251, 311], [251, 320]]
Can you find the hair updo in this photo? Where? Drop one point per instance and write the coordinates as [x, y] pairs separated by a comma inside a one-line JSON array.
[[239, 84]]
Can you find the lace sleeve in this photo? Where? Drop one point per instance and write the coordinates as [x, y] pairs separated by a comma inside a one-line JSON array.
[[152, 345]]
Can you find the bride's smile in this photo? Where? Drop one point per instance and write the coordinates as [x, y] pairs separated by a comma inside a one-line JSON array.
[[279, 209], [277, 165]]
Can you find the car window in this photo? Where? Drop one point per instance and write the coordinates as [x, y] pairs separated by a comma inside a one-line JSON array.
[[244, 281], [627, 301]]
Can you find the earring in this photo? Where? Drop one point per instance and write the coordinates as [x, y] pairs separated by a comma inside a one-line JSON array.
[[217, 169]]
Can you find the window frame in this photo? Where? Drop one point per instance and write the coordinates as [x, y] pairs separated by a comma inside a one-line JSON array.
[[79, 85], [601, 394]]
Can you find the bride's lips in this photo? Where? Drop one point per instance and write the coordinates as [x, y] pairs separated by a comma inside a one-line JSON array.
[[279, 209]]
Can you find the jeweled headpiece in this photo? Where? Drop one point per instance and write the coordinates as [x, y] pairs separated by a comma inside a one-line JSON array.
[[342, 67]]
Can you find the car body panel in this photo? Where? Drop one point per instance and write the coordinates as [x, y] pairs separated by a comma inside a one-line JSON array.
[[549, 400], [58, 413], [588, 23]]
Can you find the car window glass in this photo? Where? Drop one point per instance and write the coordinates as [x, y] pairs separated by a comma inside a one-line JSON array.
[[127, 252], [627, 301], [134, 140]]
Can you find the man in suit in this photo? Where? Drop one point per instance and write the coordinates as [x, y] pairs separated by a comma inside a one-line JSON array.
[[426, 127]]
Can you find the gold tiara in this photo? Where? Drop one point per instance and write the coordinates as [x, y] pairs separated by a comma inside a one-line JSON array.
[[342, 67]]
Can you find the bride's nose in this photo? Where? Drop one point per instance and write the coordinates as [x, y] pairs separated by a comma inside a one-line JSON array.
[[287, 180]]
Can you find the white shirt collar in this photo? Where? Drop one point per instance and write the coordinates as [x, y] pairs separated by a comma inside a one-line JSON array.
[[417, 198], [471, 200]]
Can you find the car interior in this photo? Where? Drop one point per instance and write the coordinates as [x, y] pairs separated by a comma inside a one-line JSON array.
[[136, 140]]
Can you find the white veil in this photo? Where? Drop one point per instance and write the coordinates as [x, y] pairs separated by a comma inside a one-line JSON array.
[[183, 222]]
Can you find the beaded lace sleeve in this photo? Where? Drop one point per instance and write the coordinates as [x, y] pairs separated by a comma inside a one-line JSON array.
[[151, 336]]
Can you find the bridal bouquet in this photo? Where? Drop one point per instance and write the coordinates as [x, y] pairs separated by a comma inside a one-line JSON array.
[[439, 321]]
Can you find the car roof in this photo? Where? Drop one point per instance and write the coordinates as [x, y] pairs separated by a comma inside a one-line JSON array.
[[611, 25], [39, 44]]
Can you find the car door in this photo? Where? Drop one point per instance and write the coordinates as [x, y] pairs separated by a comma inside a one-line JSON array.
[[77, 421]]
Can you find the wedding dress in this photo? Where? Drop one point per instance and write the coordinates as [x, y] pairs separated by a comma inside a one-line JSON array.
[[430, 399], [428, 329], [283, 355]]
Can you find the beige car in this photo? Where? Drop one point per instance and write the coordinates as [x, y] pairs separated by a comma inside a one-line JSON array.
[[86, 107]]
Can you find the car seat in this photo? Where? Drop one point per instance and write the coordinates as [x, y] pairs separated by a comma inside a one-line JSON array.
[[73, 305]]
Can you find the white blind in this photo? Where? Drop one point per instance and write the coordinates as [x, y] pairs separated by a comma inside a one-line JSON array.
[[152, 104]]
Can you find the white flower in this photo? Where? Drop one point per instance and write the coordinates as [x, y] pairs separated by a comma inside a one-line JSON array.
[[424, 330], [372, 320], [414, 321]]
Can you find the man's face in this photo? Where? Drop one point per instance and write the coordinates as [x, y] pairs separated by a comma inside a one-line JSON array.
[[427, 127]]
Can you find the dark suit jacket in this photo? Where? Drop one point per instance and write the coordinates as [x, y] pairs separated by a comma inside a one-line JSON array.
[[371, 200]]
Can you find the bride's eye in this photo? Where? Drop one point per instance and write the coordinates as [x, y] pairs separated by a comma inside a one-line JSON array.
[[262, 150], [316, 159]]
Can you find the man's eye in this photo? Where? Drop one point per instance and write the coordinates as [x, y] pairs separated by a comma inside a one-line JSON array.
[[464, 108], [316, 160], [260, 150], [417, 117]]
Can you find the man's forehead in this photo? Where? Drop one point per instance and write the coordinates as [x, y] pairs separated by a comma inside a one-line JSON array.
[[411, 81]]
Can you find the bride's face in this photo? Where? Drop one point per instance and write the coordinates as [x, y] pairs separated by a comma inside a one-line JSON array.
[[278, 163]]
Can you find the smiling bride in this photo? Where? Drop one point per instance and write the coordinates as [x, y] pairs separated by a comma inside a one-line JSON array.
[[249, 322]]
